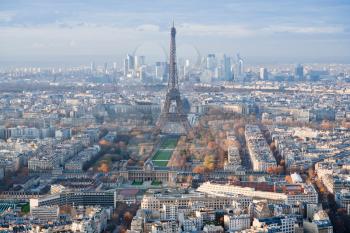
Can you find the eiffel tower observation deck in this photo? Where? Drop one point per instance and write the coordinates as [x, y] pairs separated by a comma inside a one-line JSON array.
[[173, 112]]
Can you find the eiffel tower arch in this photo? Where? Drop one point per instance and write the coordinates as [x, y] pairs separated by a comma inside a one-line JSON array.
[[173, 96]]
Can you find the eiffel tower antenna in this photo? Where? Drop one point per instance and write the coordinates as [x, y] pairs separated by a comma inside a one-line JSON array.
[[173, 94]]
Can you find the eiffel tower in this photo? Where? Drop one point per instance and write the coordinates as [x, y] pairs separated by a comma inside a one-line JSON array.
[[173, 94]]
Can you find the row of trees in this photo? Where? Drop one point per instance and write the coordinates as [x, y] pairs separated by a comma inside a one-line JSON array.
[[211, 136]]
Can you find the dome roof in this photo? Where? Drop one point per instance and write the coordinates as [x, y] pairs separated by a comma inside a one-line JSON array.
[[148, 166]]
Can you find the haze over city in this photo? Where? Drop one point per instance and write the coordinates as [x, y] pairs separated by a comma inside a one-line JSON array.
[[76, 32]]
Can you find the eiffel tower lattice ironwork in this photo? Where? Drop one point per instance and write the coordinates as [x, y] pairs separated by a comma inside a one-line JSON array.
[[173, 94]]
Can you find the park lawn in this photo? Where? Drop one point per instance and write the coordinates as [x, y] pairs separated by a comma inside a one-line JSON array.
[[169, 143], [162, 155], [25, 208], [160, 163], [135, 182], [156, 182]]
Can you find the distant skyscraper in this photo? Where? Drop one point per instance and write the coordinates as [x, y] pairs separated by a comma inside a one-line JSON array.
[[161, 71], [139, 61], [219, 73], [142, 71], [299, 72], [187, 62], [105, 68], [186, 68], [263, 73], [240, 67], [92, 67], [126, 67], [131, 62], [233, 71], [211, 62], [227, 68]]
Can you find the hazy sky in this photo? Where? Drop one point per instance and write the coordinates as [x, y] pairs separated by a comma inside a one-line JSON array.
[[77, 31]]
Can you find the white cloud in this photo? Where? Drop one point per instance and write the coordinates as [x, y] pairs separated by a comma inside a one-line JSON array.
[[72, 43], [304, 29], [238, 31], [6, 16], [216, 30], [86, 39], [98, 40], [37, 45], [148, 27]]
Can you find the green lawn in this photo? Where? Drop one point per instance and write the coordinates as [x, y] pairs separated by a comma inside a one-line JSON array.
[[169, 143], [156, 182], [135, 182], [160, 163], [163, 155], [25, 208]]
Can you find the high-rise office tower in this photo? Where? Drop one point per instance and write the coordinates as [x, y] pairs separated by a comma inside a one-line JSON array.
[[240, 67], [219, 73], [142, 70], [187, 62], [263, 73], [92, 67], [227, 68], [233, 71], [186, 68], [159, 70], [139, 61], [211, 62], [126, 67], [115, 67], [299, 72], [162, 71], [131, 61], [105, 68]]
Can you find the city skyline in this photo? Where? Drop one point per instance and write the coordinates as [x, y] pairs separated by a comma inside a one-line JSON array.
[[71, 32], [174, 116]]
